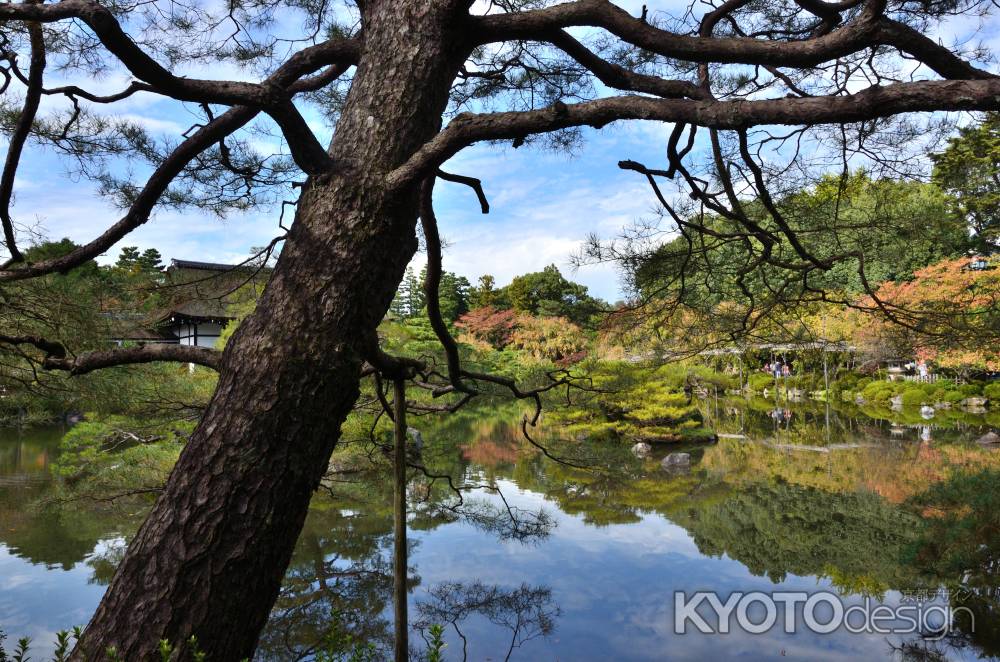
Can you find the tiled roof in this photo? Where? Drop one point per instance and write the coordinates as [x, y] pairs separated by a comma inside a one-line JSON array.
[[205, 309], [207, 266]]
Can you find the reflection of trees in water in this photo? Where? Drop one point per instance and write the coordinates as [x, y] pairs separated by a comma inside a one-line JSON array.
[[506, 522], [63, 535], [106, 562], [961, 540], [837, 422], [926, 650], [45, 536], [339, 583], [857, 539], [527, 612], [776, 512], [894, 471], [501, 520], [339, 587], [494, 442]]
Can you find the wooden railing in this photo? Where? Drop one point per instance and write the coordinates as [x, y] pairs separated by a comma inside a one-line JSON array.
[[929, 379]]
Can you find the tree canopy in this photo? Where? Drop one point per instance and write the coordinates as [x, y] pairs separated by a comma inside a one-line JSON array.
[[969, 171]]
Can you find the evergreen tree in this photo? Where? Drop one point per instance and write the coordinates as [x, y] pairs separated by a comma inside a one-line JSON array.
[[968, 170], [485, 294], [415, 291], [150, 261], [400, 306], [128, 258], [549, 294], [453, 295]]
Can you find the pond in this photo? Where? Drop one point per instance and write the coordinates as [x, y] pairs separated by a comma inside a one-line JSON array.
[[546, 561]]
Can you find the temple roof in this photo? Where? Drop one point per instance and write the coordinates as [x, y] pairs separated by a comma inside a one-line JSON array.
[[204, 310], [208, 266]]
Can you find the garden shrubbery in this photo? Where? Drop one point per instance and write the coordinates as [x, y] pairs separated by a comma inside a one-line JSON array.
[[878, 391], [113, 454]]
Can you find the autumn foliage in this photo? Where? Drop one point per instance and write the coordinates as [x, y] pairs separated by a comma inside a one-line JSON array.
[[544, 338], [950, 314]]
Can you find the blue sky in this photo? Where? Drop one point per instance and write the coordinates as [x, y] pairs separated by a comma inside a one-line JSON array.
[[544, 204]]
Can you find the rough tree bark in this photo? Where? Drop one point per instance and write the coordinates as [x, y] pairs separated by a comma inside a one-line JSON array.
[[210, 558]]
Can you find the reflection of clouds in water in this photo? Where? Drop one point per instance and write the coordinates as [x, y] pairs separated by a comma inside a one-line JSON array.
[[614, 585], [523, 613], [37, 600], [11, 582]]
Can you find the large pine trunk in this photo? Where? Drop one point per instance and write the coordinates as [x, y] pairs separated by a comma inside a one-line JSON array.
[[209, 559]]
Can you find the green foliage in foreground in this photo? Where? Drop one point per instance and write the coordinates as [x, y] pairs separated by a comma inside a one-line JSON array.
[[106, 455], [336, 646], [65, 639]]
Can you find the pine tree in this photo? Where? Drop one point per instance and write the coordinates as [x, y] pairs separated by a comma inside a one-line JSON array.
[[150, 260], [128, 257], [415, 298]]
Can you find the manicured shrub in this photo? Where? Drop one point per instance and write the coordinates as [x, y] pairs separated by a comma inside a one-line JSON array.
[[992, 392], [914, 397], [971, 389], [954, 396], [760, 381], [879, 392]]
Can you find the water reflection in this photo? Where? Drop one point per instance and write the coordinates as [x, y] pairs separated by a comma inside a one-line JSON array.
[[526, 612], [340, 581], [536, 560], [55, 538]]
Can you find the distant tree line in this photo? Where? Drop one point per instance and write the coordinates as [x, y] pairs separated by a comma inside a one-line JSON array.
[[545, 293]]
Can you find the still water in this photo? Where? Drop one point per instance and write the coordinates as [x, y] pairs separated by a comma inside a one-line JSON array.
[[544, 561]]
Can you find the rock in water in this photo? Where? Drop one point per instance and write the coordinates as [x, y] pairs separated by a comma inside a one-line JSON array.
[[675, 460], [989, 439], [642, 449]]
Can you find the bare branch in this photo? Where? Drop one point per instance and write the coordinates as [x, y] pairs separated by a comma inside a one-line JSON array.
[[271, 95], [141, 65], [57, 358], [19, 137], [97, 360], [539, 24], [874, 102], [621, 78], [475, 184], [142, 207]]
